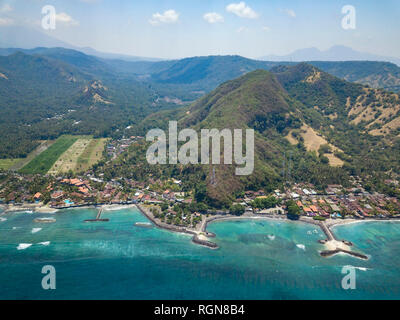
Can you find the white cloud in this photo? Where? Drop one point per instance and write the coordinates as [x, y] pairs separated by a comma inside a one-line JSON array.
[[290, 13], [169, 16], [6, 21], [242, 10], [213, 17], [6, 8], [266, 29], [241, 29], [66, 19]]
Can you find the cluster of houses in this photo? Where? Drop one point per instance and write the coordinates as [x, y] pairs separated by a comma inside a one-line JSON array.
[[115, 147], [334, 202], [79, 192], [83, 192], [154, 197], [337, 202]]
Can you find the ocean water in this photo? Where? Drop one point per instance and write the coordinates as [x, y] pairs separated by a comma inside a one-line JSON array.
[[257, 259]]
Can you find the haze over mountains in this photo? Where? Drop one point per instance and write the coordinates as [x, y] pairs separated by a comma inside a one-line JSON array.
[[30, 38], [335, 53]]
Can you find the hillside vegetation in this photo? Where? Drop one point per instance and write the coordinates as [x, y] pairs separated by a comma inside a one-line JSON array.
[[48, 92], [303, 133]]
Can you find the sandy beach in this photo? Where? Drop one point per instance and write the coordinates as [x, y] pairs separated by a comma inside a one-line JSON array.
[[335, 244], [45, 209]]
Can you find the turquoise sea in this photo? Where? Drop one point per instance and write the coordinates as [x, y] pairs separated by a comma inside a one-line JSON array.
[[257, 259]]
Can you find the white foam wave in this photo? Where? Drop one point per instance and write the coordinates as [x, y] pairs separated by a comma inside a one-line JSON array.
[[23, 246], [271, 237], [45, 243], [301, 246], [114, 208], [34, 230], [359, 268]]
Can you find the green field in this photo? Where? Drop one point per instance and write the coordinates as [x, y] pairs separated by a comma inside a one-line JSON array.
[[6, 164], [45, 160], [91, 155]]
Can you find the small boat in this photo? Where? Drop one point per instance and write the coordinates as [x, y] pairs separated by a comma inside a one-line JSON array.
[[144, 224]]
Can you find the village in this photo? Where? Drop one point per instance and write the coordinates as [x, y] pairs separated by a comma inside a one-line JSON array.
[[172, 205], [171, 202]]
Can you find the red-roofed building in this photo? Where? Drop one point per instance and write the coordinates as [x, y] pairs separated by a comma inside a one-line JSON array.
[[83, 189], [37, 195], [74, 181], [57, 194]]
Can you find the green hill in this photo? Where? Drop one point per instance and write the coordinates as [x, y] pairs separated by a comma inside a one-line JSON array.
[[304, 133], [206, 73]]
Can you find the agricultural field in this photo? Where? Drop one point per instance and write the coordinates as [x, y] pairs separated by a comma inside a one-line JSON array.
[[32, 155], [68, 160], [6, 164], [84, 153], [91, 155], [67, 153], [42, 163]]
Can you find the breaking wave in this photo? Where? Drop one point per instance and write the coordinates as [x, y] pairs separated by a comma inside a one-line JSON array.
[[23, 246]]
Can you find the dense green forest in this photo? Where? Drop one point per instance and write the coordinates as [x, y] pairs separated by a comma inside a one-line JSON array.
[[42, 98]]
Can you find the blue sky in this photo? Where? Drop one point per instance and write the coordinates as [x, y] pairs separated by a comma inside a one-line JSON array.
[[179, 28]]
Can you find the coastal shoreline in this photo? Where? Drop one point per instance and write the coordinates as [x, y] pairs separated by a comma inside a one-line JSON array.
[[200, 235], [333, 245]]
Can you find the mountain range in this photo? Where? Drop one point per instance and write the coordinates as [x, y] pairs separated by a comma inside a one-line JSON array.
[[294, 107], [29, 38]]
